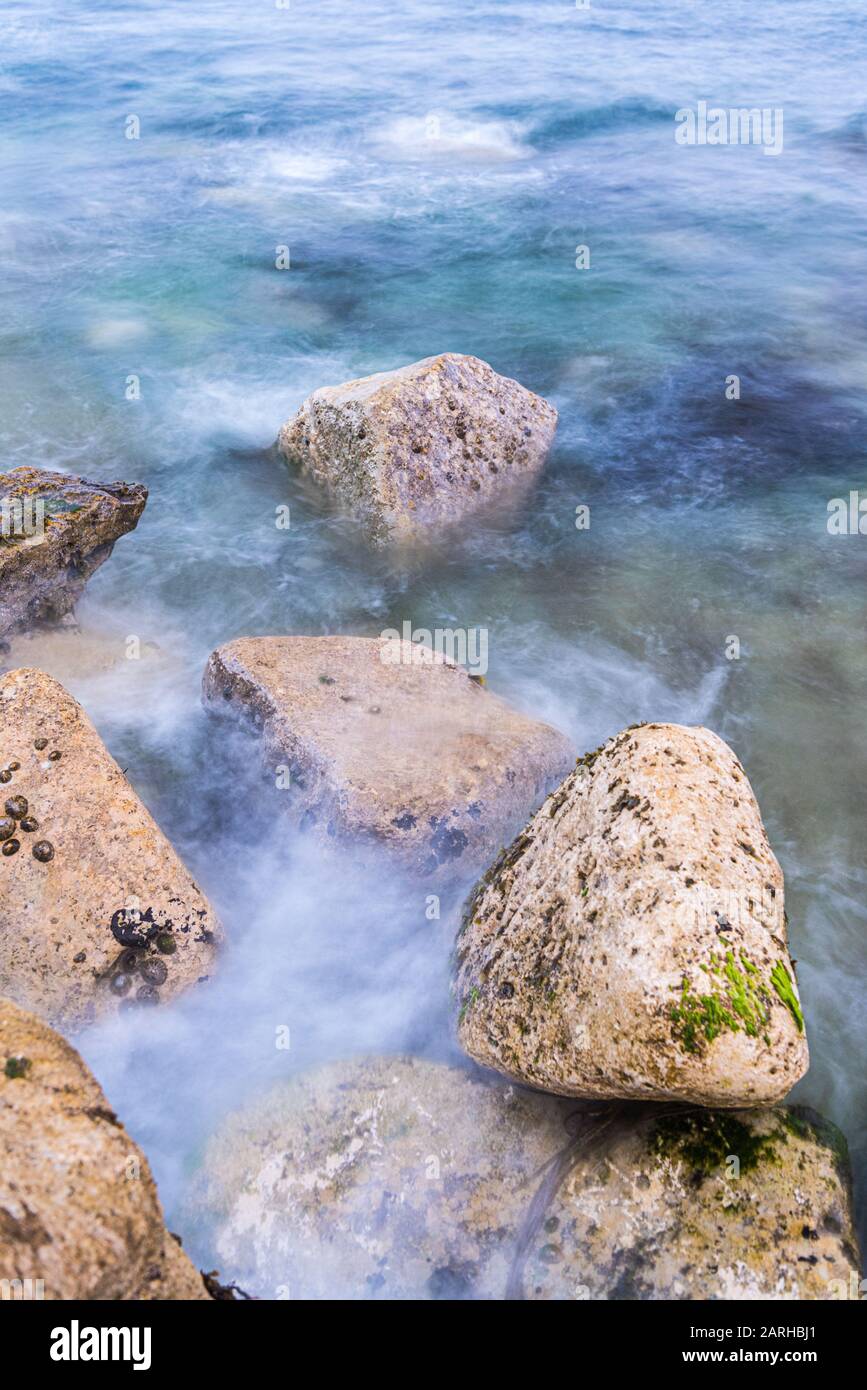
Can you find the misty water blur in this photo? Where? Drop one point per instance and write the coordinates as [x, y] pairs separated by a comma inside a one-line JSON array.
[[433, 168]]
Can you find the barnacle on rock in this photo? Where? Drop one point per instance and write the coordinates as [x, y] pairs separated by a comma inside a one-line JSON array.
[[7, 828], [40, 743], [16, 807], [11, 847], [30, 823], [43, 850], [146, 994], [120, 983]]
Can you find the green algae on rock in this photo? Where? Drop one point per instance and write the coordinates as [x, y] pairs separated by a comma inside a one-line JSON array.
[[699, 1205], [632, 941]]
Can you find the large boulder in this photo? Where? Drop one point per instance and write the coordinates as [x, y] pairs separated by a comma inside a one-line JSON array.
[[97, 912], [385, 742], [55, 531], [79, 1213], [632, 940], [407, 1179], [416, 448]]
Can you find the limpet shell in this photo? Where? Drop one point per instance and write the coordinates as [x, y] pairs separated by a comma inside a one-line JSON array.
[[153, 970], [43, 850], [10, 847], [17, 807]]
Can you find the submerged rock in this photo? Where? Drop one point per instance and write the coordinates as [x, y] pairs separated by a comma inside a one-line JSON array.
[[392, 1177], [56, 531], [79, 1209], [383, 741], [110, 881], [411, 449], [632, 940], [407, 1179], [699, 1205]]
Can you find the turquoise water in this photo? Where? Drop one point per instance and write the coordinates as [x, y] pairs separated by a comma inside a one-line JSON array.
[[432, 168]]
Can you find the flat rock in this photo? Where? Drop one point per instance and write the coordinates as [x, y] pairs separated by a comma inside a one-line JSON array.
[[632, 940], [405, 1179], [79, 1209], [112, 919], [381, 741], [56, 531], [413, 449]]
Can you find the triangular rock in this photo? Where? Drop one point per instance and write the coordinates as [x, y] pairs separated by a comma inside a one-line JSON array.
[[632, 940]]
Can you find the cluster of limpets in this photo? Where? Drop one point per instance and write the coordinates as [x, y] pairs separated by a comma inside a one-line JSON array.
[[136, 974], [17, 819], [17, 815], [134, 968]]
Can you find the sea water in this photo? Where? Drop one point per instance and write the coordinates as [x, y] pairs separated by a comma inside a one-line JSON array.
[[211, 209]]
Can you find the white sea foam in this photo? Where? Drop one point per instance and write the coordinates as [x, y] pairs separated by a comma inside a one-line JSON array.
[[112, 333], [439, 135]]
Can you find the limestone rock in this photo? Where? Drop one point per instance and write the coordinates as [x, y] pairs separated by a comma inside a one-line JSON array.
[[56, 530], [632, 940], [108, 917], [698, 1205], [386, 742], [411, 449], [388, 1176], [406, 1179], [79, 1210]]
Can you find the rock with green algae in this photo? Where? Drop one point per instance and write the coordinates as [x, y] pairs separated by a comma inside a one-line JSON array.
[[397, 1178], [704, 1205], [79, 1213], [632, 941]]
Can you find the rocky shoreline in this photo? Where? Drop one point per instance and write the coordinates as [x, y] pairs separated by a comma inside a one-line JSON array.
[[623, 989]]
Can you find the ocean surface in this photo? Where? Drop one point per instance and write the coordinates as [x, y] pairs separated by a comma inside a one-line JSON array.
[[432, 169]]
